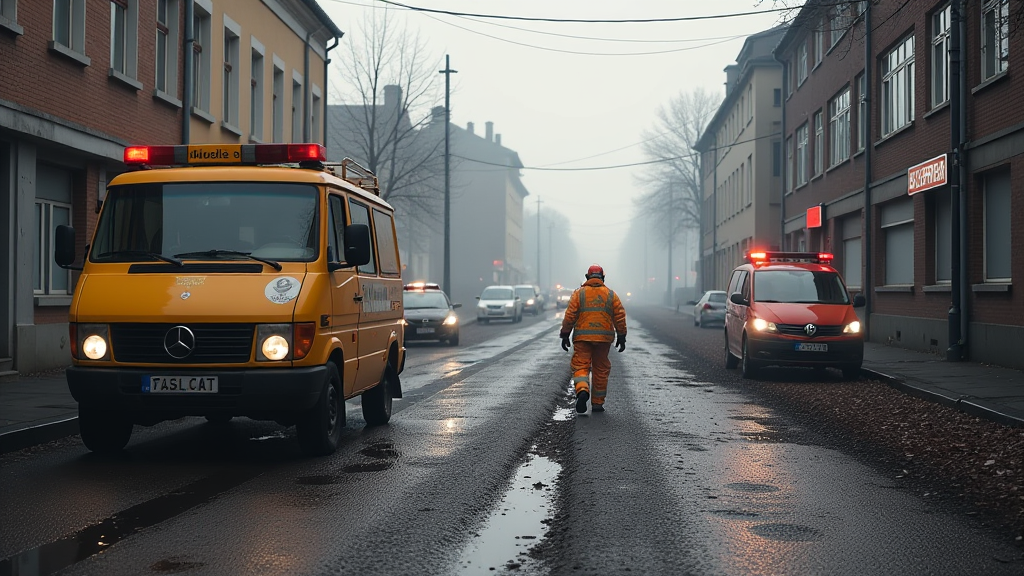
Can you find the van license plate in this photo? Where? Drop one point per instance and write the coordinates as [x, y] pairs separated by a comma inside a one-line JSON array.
[[806, 347], [424, 330], [179, 384]]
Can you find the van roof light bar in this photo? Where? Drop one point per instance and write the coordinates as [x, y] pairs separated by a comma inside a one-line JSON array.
[[764, 256]]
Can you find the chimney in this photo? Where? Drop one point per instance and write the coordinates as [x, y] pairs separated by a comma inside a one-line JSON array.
[[732, 73], [437, 115], [497, 139], [469, 127], [392, 96], [490, 130]]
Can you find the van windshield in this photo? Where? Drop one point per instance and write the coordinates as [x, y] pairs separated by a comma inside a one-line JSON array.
[[208, 220], [799, 287]]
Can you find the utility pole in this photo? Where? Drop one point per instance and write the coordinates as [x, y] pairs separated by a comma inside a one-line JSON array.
[[447, 173], [671, 237], [538, 241], [551, 229]]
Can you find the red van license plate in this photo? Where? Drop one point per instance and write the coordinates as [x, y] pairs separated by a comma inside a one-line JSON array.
[[808, 347]]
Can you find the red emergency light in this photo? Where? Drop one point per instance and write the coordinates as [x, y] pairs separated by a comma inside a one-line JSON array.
[[765, 256], [224, 154], [289, 153]]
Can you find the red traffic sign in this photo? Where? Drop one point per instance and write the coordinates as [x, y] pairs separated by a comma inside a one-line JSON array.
[[926, 175], [814, 216]]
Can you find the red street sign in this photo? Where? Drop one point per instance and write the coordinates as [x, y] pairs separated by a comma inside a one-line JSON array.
[[814, 216], [926, 175]]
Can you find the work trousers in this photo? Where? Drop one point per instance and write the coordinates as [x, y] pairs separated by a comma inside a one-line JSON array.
[[590, 357]]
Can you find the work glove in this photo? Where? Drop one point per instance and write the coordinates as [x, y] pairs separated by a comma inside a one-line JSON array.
[[620, 343], [565, 343]]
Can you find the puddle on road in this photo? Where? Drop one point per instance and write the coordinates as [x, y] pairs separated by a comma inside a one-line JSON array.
[[273, 436], [517, 524]]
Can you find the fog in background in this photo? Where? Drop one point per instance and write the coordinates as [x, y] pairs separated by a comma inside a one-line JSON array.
[[576, 96]]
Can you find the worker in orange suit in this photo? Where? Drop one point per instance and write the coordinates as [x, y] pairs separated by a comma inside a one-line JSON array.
[[594, 316]]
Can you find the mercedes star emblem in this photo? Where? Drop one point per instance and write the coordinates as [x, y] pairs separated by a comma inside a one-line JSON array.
[[811, 329], [185, 295], [179, 342]]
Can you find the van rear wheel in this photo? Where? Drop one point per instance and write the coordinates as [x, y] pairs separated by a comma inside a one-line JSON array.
[[730, 360], [319, 428], [103, 431], [377, 401]]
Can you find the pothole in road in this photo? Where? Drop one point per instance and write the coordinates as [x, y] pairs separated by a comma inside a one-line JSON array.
[[786, 532], [378, 466], [518, 523], [749, 487], [380, 451]]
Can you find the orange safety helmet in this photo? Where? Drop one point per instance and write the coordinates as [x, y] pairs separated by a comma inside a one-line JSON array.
[[595, 271]]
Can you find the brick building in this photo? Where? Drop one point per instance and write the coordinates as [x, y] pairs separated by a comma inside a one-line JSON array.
[[79, 80], [850, 128]]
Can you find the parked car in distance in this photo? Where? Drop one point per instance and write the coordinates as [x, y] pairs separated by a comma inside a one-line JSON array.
[[709, 309], [499, 302], [530, 297], [429, 314], [562, 300]]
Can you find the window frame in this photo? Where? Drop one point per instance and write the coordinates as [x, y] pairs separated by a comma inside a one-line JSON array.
[[940, 34], [801, 59], [202, 23], [839, 127], [297, 106], [231, 55], [819, 142], [941, 241], [257, 86], [277, 101], [790, 165], [45, 241], [985, 226], [315, 111], [994, 13], [802, 168], [75, 25], [862, 112], [353, 203], [886, 227], [897, 81]]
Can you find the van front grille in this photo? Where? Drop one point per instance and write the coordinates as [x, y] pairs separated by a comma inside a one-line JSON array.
[[214, 343]]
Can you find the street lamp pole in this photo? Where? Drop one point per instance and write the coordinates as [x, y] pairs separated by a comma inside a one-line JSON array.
[[538, 241], [447, 173]]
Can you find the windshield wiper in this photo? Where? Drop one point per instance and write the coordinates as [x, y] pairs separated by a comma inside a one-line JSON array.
[[154, 255], [215, 253]]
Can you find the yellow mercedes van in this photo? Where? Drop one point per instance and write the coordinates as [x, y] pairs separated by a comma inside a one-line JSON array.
[[236, 280]]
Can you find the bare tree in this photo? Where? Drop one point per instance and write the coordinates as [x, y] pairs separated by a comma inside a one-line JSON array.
[[387, 87], [673, 198]]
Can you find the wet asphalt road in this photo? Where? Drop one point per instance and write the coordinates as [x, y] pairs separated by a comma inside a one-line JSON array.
[[484, 469]]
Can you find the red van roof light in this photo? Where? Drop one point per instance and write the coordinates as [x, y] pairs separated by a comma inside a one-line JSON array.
[[762, 257]]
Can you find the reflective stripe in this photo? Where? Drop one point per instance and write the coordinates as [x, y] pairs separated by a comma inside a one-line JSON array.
[[580, 379], [601, 332], [599, 393]]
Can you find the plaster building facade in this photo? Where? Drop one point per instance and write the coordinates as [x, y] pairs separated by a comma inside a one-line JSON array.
[[868, 149], [80, 80], [741, 162]]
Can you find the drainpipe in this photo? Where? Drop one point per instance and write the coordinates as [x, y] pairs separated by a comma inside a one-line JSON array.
[[782, 155], [327, 84], [714, 214], [866, 281], [186, 93], [700, 244], [306, 90], [965, 275], [954, 353]]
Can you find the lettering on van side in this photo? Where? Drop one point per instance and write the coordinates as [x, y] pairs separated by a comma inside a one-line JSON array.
[[380, 297]]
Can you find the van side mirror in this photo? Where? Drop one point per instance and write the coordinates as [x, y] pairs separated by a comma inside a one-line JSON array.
[[859, 301], [738, 299], [64, 247], [357, 244]]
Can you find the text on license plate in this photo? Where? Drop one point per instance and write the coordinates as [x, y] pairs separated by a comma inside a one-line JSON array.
[[179, 384], [424, 330], [808, 347]]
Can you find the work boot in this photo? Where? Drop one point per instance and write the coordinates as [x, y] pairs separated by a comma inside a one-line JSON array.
[[597, 407], [581, 401]]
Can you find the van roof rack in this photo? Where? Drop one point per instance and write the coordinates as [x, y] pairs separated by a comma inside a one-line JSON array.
[[353, 172]]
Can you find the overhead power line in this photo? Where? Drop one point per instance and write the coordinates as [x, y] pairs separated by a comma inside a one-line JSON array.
[[586, 20]]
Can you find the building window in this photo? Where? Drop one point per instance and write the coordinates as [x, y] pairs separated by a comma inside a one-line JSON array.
[[256, 91], [801, 155], [850, 229], [997, 227], [9, 13], [943, 233], [819, 143], [124, 38], [776, 158], [862, 111], [839, 127], [201, 59], [314, 116], [940, 56], [801, 63], [841, 21], [789, 164], [750, 179], [231, 72], [897, 222], [54, 191], [777, 97], [277, 109], [819, 43], [995, 37], [69, 24], [898, 87], [167, 46], [296, 108]]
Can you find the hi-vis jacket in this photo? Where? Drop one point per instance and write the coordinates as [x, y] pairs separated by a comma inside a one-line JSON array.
[[594, 314]]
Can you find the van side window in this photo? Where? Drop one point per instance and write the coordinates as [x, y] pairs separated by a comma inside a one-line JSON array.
[[336, 236], [360, 214], [733, 282], [387, 247], [745, 288]]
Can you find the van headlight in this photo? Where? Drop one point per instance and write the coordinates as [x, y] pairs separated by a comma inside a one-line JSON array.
[[762, 325], [284, 341], [852, 328], [93, 341]]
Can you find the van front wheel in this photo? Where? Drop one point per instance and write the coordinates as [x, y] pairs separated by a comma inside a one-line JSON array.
[[102, 431], [377, 401], [319, 428]]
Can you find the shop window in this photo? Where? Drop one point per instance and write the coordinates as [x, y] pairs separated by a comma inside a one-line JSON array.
[[997, 227], [897, 223]]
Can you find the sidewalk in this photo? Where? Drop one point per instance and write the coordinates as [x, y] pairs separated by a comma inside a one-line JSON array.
[[39, 408]]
